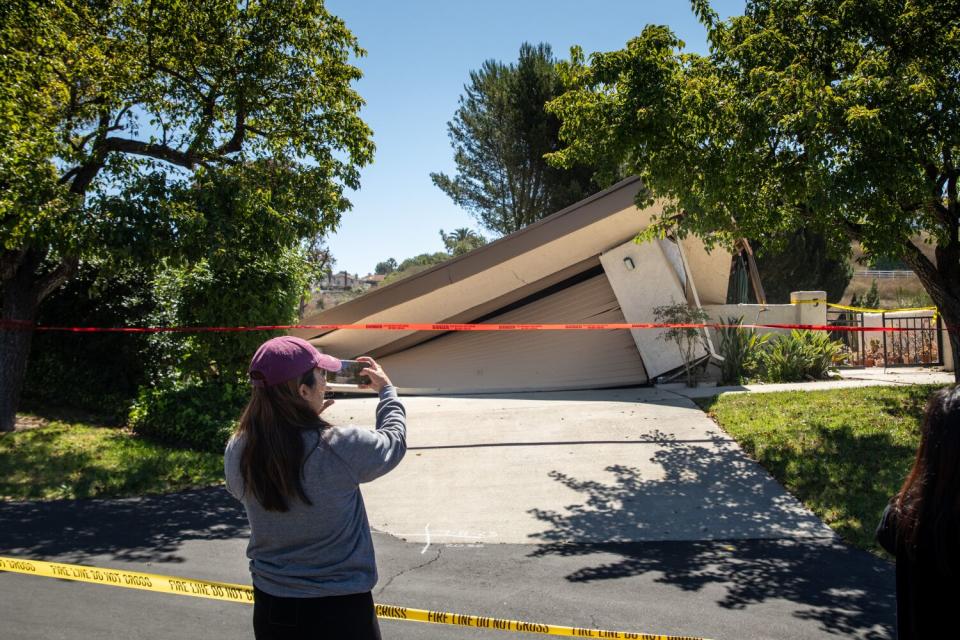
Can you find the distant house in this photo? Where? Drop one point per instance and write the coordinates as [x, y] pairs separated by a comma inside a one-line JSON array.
[[579, 265], [341, 281], [373, 280]]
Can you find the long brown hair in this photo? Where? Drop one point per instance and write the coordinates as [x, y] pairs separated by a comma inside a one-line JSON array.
[[928, 504], [272, 426]]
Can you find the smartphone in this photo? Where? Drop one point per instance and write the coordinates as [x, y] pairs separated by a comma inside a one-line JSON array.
[[349, 373]]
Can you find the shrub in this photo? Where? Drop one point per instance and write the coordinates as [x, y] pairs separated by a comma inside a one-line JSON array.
[[96, 372], [742, 351], [801, 355], [687, 339], [200, 414]]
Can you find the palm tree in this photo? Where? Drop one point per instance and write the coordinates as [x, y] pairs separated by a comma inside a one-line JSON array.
[[462, 240]]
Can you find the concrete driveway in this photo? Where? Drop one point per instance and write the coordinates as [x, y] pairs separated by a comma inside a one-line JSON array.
[[623, 509], [624, 465]]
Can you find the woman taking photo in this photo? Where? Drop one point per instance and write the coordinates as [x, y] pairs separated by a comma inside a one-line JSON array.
[[921, 525], [311, 553]]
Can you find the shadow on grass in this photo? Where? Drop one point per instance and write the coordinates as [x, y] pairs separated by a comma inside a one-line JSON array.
[[146, 529], [907, 403], [713, 518]]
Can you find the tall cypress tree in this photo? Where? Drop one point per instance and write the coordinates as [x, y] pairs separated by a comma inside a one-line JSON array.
[[500, 134]]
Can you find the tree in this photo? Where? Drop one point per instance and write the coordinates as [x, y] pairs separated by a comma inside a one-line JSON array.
[[387, 266], [500, 134], [870, 298], [127, 96], [461, 241], [687, 339], [416, 264], [803, 264], [840, 118], [237, 265], [319, 263]]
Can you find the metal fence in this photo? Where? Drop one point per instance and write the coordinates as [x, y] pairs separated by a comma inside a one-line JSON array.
[[853, 341], [885, 274], [921, 344]]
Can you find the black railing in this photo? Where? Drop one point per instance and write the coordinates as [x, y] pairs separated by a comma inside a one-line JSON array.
[[853, 341], [920, 344]]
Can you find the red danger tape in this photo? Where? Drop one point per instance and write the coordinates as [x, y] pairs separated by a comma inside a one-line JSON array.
[[407, 326]]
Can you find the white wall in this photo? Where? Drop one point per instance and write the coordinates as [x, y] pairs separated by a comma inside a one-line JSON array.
[[650, 283], [709, 272], [752, 314]]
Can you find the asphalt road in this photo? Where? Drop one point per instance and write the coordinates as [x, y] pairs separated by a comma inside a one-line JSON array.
[[744, 588]]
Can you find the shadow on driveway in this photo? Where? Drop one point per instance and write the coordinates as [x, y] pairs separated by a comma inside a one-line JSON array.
[[712, 491], [145, 529]]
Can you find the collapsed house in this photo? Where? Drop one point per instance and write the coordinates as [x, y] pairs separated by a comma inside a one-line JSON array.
[[579, 265]]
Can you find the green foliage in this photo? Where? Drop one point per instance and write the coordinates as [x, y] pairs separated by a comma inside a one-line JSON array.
[[687, 339], [129, 85], [869, 300], [742, 351], [461, 241], [387, 266], [884, 263], [264, 291], [97, 372], [799, 356], [163, 134], [457, 242], [912, 299], [234, 260], [500, 134], [804, 264], [839, 118], [197, 414], [416, 264]]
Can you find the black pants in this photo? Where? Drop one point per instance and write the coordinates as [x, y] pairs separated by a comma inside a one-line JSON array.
[[343, 617]]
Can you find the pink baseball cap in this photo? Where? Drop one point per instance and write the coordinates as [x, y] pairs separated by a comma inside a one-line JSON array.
[[286, 357]]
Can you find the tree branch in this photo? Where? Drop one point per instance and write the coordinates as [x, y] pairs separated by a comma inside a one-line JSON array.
[[116, 121], [235, 143], [51, 281], [853, 230], [206, 121], [186, 159], [931, 277]]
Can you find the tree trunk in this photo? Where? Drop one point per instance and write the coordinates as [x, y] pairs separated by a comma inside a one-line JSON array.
[[951, 321], [19, 304], [947, 300], [941, 281]]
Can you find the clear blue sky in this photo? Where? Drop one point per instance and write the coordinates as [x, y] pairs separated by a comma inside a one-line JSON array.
[[419, 55]]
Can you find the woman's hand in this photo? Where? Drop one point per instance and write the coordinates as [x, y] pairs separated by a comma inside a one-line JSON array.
[[378, 379]]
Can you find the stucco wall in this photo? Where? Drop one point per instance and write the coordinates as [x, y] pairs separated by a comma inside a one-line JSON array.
[[752, 314], [710, 272], [651, 282]]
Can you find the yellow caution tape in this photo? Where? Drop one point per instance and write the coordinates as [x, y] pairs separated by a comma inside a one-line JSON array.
[[845, 307], [131, 580], [244, 594]]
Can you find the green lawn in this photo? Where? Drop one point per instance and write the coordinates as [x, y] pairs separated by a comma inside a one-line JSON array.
[[78, 460], [844, 453]]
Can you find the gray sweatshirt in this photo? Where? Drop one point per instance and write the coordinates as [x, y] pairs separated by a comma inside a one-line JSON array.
[[324, 549]]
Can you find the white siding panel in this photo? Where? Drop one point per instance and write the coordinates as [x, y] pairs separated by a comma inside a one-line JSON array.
[[652, 282], [479, 361]]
